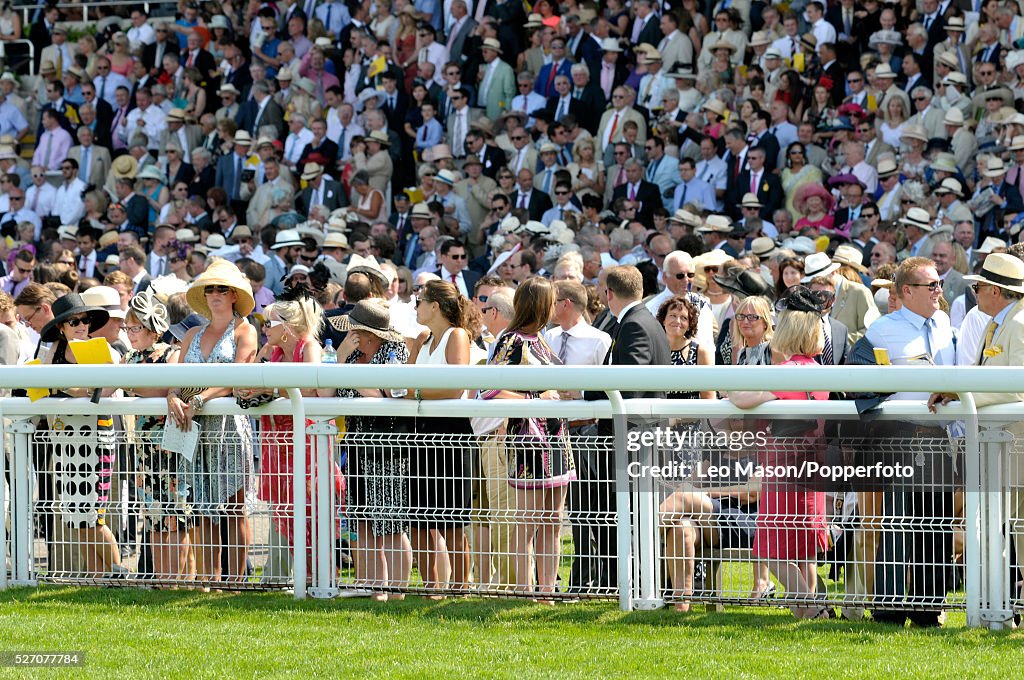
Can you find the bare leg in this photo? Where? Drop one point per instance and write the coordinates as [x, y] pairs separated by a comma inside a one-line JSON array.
[[398, 560], [522, 538], [424, 556], [551, 502], [238, 537], [793, 577], [205, 538], [458, 554]]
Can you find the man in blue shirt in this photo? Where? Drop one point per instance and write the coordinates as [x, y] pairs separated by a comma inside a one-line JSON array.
[[913, 564]]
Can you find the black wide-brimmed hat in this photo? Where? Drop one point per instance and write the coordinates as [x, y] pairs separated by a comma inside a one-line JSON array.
[[799, 299], [744, 283], [68, 306]]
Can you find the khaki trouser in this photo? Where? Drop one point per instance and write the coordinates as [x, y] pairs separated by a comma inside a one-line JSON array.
[[497, 504]]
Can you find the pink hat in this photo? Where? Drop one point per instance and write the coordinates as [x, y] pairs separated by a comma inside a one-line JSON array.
[[809, 190]]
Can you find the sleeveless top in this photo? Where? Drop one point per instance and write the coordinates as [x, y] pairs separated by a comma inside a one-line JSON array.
[[438, 356], [156, 194], [223, 352], [277, 354], [685, 357]]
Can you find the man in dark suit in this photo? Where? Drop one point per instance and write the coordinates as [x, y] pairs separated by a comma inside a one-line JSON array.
[[534, 201], [636, 188], [767, 184], [833, 70], [41, 33], [646, 27], [318, 191], [638, 340], [230, 169], [562, 103], [588, 93], [153, 54], [201, 60], [761, 138], [259, 111], [396, 102], [491, 157], [320, 145], [452, 259], [544, 85]]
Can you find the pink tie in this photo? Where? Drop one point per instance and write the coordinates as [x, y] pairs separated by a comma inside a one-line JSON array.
[[632, 192], [753, 184], [453, 279]]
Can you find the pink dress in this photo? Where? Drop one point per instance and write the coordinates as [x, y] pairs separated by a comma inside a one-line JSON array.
[[276, 468], [791, 519]]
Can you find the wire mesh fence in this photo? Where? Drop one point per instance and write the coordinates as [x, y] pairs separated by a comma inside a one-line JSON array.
[[717, 511]]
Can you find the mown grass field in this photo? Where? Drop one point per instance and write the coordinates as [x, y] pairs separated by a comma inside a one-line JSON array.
[[129, 633]]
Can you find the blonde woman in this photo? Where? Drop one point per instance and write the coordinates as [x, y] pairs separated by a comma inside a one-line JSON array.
[[752, 330], [586, 170], [87, 49]]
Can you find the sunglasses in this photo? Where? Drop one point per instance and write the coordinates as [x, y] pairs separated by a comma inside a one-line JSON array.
[[219, 290], [461, 256], [272, 323], [77, 321], [308, 259], [711, 269], [562, 193], [931, 285], [482, 298], [685, 275]]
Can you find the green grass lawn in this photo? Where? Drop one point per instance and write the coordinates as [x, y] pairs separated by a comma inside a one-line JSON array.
[[129, 633]]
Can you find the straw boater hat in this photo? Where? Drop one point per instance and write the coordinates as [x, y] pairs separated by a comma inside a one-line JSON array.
[[945, 162], [955, 78], [368, 266], [152, 172], [215, 241], [220, 272], [534, 21], [370, 315], [884, 71], [1017, 143], [995, 167], [311, 171], [219, 21], [47, 66], [106, 297], [491, 44], [990, 244], [719, 223], [723, 45], [239, 232], [818, 264], [762, 247], [421, 210], [715, 106], [750, 201], [799, 244], [380, 137], [448, 177], [610, 45], [284, 74], [176, 114], [954, 117], [336, 240], [949, 59], [185, 235], [951, 185], [851, 256], [124, 166], [242, 138], [914, 132], [228, 87], [1002, 270], [70, 305], [887, 167], [286, 238], [917, 217], [760, 38], [683, 216]]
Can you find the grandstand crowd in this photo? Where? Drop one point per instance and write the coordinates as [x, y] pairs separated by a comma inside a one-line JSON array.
[[455, 182]]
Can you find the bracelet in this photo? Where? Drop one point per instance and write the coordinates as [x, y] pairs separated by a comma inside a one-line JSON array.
[[419, 394], [197, 403]]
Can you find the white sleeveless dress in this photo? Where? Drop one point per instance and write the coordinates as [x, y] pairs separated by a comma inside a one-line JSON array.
[[441, 493]]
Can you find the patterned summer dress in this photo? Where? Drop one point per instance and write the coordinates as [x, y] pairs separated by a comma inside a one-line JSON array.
[[223, 463]]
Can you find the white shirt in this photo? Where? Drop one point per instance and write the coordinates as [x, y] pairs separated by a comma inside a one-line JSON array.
[[824, 32], [460, 281], [295, 143], [41, 199], [106, 87], [587, 345], [156, 122], [142, 35], [87, 264], [68, 203]]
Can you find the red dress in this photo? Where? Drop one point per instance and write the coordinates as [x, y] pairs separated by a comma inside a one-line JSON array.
[[791, 520], [276, 467]]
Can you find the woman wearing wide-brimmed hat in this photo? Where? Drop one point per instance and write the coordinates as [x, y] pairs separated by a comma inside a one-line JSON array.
[[796, 173], [913, 162], [165, 512], [222, 469], [813, 203], [154, 190], [378, 476], [84, 464]]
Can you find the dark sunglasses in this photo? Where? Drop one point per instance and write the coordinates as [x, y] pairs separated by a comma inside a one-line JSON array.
[[931, 285], [77, 321], [463, 256], [482, 298], [685, 275], [220, 290]]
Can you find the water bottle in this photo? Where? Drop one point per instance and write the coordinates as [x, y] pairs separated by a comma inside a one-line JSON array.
[[330, 354], [400, 392]]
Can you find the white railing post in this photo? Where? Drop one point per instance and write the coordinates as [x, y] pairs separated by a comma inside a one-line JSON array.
[[995, 610], [325, 512], [974, 525], [21, 504], [298, 491], [623, 521], [3, 503]]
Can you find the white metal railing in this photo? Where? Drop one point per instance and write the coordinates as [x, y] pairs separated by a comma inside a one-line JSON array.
[[31, 53], [988, 593]]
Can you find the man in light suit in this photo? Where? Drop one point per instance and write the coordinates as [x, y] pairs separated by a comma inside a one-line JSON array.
[[1000, 288], [854, 307], [463, 26], [459, 121], [93, 161], [661, 170], [953, 283], [497, 81], [609, 131], [928, 116], [189, 137]]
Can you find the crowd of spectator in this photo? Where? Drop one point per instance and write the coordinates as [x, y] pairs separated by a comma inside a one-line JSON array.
[[450, 181]]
